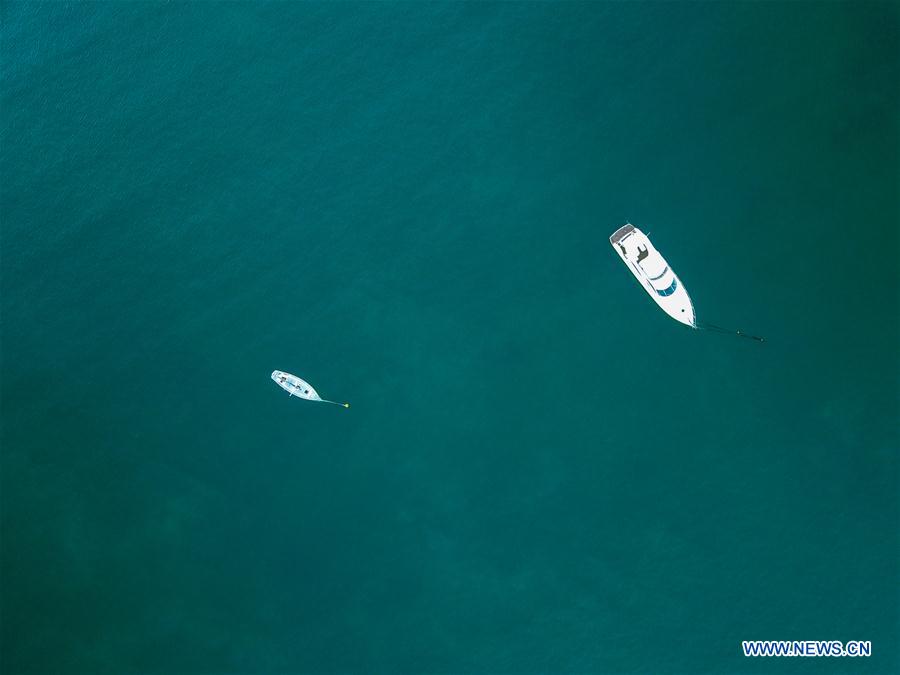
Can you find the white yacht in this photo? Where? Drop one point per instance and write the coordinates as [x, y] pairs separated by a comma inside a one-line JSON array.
[[653, 273], [300, 388]]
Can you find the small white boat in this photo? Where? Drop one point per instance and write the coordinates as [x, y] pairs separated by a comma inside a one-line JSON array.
[[300, 388], [654, 273]]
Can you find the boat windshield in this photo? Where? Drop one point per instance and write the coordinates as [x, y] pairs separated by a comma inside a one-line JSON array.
[[668, 291]]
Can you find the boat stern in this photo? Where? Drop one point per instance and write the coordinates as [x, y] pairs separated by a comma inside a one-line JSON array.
[[621, 233]]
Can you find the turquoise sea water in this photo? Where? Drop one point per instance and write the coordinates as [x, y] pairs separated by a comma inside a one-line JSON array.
[[409, 205]]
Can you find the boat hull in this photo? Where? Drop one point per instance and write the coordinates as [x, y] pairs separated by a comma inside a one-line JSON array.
[[295, 386], [654, 273]]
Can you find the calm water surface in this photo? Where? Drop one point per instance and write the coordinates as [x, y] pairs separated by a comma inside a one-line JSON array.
[[409, 205]]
